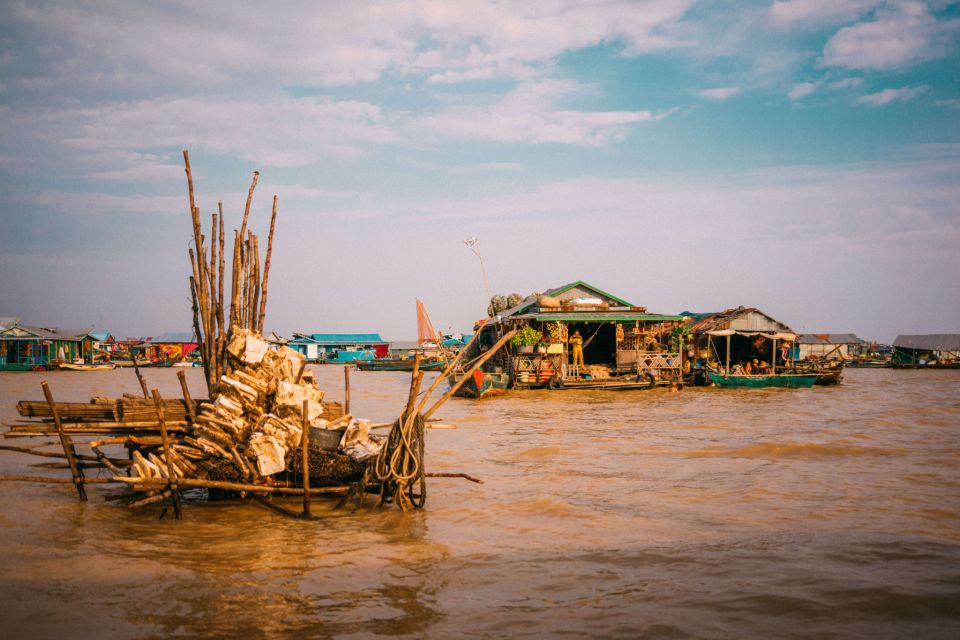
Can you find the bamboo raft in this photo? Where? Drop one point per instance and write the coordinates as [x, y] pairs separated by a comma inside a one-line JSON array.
[[251, 437]]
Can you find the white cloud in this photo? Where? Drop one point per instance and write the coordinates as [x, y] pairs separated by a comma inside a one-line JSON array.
[[719, 94], [185, 46], [793, 13], [802, 90], [527, 115], [891, 95], [846, 83], [900, 35], [953, 103]]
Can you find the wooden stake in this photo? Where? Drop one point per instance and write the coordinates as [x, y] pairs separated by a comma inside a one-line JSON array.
[[143, 384], [191, 409], [67, 442], [171, 473], [305, 445], [346, 388], [266, 267]]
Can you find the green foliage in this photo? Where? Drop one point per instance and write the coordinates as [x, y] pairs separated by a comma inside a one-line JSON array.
[[527, 336]]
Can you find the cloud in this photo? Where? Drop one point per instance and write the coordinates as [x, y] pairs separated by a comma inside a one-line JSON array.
[[792, 13], [900, 35], [719, 94], [183, 46], [846, 83], [891, 95], [802, 90], [528, 115], [953, 103]]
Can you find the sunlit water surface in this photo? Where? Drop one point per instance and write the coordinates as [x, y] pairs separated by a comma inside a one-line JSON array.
[[830, 512]]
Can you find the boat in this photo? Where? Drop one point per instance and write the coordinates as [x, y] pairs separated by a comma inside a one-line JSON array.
[[479, 384], [187, 363], [69, 366], [130, 363], [784, 380], [400, 365]]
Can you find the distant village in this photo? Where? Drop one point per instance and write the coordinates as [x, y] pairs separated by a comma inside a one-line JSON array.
[[621, 336]]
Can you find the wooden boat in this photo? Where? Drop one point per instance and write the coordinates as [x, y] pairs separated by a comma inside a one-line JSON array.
[[130, 363], [787, 380], [69, 366], [480, 384], [399, 365]]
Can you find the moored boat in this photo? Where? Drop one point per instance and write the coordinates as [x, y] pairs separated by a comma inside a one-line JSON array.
[[479, 384], [69, 366], [785, 380], [399, 365]]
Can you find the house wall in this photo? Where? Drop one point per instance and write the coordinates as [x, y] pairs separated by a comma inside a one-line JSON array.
[[821, 350]]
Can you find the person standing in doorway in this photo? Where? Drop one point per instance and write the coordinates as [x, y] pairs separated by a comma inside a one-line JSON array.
[[576, 346]]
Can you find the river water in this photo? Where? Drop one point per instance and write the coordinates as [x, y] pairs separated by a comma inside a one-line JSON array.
[[821, 513]]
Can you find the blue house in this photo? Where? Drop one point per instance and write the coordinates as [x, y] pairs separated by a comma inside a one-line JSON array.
[[339, 347]]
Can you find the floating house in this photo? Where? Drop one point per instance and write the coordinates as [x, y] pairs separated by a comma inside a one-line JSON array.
[[339, 347], [100, 345], [826, 346], [170, 347], [24, 348], [743, 347], [938, 350], [622, 344]]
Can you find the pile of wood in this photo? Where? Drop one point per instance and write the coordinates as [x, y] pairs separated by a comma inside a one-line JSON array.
[[252, 436]]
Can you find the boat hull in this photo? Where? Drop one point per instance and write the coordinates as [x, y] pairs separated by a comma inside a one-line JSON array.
[[479, 384], [86, 367], [398, 365], [783, 380]]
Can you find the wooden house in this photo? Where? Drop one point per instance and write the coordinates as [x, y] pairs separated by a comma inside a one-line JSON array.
[[826, 346], [25, 348], [940, 350], [623, 345], [339, 347]]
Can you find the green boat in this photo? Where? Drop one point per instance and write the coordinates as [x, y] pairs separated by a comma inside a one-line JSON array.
[[787, 380], [480, 384], [399, 365]]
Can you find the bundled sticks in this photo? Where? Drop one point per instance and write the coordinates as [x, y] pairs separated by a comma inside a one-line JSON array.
[[248, 286]]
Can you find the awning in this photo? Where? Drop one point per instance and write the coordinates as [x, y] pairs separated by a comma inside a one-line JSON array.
[[770, 336]]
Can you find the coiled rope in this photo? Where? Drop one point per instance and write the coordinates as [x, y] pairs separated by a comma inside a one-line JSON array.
[[399, 466]]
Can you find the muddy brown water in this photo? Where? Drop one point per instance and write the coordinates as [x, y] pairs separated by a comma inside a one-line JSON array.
[[830, 512]]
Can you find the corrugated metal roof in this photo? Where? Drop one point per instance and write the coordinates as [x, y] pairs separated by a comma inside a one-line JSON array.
[[929, 342], [173, 338], [828, 338], [530, 301], [8, 321], [740, 319], [45, 333]]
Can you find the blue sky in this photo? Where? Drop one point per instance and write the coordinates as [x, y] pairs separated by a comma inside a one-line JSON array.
[[795, 155]]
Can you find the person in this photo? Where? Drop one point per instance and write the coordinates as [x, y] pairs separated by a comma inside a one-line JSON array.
[[763, 368], [748, 369], [576, 343], [737, 370]]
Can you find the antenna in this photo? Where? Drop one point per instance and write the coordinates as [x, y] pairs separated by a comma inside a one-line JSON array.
[[474, 245]]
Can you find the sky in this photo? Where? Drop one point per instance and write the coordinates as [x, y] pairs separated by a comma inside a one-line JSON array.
[[799, 156]]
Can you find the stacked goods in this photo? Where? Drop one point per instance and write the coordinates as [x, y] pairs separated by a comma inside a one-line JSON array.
[[256, 422]]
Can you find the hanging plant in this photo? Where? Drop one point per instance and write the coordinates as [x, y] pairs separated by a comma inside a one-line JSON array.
[[527, 336]]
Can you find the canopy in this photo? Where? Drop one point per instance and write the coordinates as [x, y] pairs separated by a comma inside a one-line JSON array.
[[770, 336]]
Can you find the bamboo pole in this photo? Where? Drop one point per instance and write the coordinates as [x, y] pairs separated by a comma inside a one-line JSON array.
[[46, 480], [171, 473], [476, 365], [346, 388], [305, 446], [143, 384], [191, 409], [266, 267], [160, 483], [446, 372], [66, 442], [255, 283]]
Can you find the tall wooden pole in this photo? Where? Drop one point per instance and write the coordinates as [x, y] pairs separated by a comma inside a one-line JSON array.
[[191, 411], [305, 446], [67, 443], [346, 388]]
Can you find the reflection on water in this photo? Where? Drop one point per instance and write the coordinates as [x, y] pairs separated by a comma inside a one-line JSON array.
[[829, 512]]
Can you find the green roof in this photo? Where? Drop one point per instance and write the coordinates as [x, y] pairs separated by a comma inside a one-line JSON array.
[[613, 316]]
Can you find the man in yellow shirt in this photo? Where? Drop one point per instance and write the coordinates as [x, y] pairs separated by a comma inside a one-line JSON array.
[[576, 346]]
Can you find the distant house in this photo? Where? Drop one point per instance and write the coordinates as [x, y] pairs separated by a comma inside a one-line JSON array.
[[171, 346], [827, 346], [24, 348], [99, 345], [339, 347], [932, 350]]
